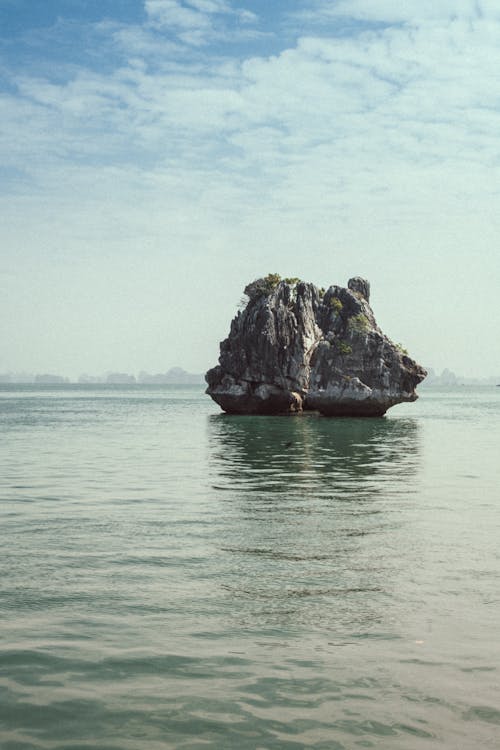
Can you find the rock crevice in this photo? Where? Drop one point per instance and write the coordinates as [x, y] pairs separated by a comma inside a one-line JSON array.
[[297, 347]]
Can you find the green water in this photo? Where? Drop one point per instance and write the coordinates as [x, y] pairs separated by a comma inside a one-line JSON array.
[[175, 578]]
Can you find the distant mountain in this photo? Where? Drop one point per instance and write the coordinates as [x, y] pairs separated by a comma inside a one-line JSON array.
[[120, 378], [30, 379], [49, 379], [174, 376], [91, 379], [448, 378], [17, 377]]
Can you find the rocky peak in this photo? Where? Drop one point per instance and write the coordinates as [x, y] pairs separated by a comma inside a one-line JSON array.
[[360, 286]]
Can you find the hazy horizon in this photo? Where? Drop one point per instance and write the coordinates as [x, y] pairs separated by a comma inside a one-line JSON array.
[[444, 377], [157, 155]]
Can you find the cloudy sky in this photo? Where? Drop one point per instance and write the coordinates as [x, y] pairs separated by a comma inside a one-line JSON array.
[[155, 155]]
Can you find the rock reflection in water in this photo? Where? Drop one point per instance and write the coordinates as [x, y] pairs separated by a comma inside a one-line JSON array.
[[313, 513], [290, 455]]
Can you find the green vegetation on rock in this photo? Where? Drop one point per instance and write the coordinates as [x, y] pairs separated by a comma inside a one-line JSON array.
[[359, 323], [271, 281], [342, 347], [262, 287], [336, 304]]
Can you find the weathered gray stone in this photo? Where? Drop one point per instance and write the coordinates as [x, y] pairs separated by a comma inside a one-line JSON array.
[[360, 286], [294, 348]]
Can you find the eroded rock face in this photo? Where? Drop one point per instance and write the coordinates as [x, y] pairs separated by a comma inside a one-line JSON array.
[[295, 347]]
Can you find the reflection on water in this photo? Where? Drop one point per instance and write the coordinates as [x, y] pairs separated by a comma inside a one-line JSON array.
[[312, 511], [344, 457]]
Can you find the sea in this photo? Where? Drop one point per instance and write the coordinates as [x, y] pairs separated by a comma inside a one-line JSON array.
[[173, 577]]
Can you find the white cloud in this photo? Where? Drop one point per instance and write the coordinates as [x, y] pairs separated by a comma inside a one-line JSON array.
[[140, 41], [210, 6], [197, 21], [399, 11], [172, 13]]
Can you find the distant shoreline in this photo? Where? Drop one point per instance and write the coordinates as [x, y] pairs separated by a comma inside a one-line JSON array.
[[174, 376]]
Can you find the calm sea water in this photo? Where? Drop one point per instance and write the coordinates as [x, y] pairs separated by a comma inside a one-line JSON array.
[[175, 578]]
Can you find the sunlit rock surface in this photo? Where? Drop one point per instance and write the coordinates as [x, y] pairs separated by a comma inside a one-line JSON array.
[[297, 347]]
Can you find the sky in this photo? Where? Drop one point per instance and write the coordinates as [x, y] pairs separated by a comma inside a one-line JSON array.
[[156, 155]]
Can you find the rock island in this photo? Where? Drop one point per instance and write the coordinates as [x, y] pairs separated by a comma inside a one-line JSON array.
[[296, 347]]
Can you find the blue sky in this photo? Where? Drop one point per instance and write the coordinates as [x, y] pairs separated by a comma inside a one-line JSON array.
[[157, 155]]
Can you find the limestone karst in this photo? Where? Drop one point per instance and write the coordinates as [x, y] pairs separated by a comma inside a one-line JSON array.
[[297, 347]]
